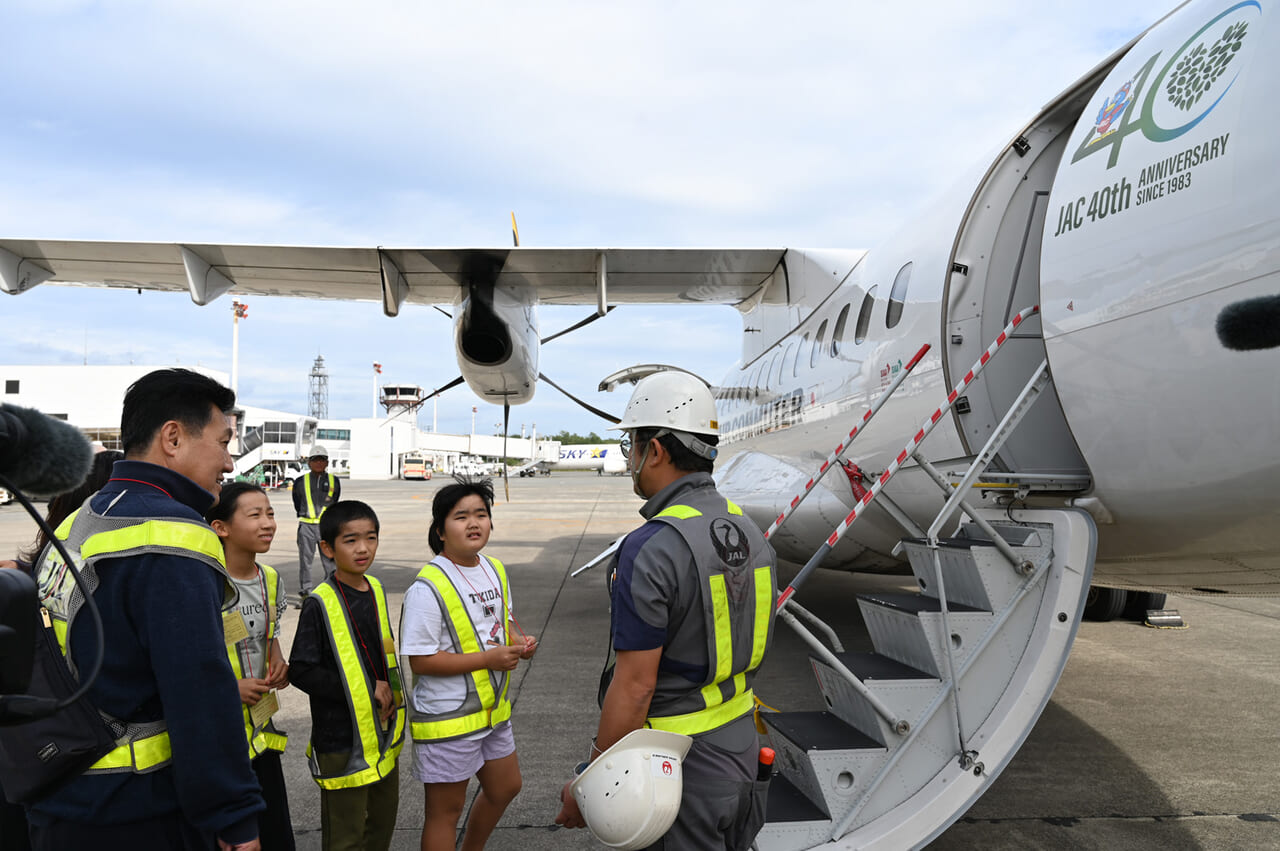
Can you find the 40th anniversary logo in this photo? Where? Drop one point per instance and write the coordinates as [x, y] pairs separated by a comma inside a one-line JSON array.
[[1194, 76]]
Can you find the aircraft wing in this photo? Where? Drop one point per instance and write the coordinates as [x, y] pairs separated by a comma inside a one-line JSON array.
[[395, 275]]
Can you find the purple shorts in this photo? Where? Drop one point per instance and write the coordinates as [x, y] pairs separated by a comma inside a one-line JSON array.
[[460, 759]]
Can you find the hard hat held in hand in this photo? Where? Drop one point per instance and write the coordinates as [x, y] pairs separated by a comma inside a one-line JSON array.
[[673, 399], [630, 795]]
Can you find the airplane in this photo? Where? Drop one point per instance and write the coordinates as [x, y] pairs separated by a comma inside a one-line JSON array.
[[1099, 304], [604, 458]]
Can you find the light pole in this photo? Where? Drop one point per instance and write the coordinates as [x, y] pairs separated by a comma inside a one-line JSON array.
[[239, 310], [377, 370]]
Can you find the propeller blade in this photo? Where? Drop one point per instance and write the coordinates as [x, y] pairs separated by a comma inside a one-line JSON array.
[[599, 413], [506, 422], [515, 232], [592, 318], [442, 310]]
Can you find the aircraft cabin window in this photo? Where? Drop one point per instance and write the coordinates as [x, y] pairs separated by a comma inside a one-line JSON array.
[[837, 336], [817, 344], [788, 357], [795, 370], [864, 316], [897, 297], [775, 369]]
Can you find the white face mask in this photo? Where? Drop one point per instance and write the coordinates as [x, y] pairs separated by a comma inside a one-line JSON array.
[[634, 469]]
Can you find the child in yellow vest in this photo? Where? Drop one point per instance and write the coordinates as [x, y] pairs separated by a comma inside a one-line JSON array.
[[245, 522], [462, 642], [344, 658]]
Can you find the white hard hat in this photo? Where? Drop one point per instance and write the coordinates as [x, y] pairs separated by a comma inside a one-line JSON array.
[[630, 795], [672, 399], [318, 451]]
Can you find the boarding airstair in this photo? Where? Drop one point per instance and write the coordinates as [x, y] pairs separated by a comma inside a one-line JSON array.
[[914, 732], [250, 451]]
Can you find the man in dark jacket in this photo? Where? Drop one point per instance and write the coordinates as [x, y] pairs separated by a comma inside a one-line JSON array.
[[166, 658]]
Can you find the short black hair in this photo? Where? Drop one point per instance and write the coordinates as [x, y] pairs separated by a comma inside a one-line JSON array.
[[169, 394], [227, 499], [340, 514], [682, 458], [448, 497]]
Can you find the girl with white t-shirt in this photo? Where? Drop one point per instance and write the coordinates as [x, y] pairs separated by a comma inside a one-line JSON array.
[[461, 639]]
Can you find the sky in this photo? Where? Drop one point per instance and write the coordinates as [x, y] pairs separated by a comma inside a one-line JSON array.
[[410, 124]]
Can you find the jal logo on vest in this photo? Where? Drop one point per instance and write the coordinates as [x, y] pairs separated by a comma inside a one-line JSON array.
[[730, 542], [666, 767]]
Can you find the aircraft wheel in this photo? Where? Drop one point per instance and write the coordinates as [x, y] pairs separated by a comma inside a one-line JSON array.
[[1142, 601], [1104, 604]]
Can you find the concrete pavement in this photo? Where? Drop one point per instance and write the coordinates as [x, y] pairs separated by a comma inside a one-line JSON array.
[[1154, 738]]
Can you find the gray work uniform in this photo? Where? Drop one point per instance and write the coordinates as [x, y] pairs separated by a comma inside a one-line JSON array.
[[660, 583], [325, 491]]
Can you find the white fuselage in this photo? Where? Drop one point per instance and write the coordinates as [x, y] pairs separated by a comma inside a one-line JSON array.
[[1132, 243]]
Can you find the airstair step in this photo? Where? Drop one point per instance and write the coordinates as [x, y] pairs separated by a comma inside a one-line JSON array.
[[904, 689], [788, 804], [827, 760], [907, 628], [819, 731], [874, 666], [915, 603]]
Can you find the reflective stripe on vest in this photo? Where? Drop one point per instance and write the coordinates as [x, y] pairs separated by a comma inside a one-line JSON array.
[[313, 516], [144, 747], [373, 752], [265, 737], [719, 710], [484, 707]]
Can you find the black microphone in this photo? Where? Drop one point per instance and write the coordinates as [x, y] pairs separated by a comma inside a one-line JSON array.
[[1250, 324], [41, 455]]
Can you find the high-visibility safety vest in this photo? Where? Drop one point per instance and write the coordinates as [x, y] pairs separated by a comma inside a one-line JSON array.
[[141, 747], [373, 750], [313, 514], [261, 737], [738, 587], [486, 702]]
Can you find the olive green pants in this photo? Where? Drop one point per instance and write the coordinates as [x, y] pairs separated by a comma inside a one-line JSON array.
[[358, 819]]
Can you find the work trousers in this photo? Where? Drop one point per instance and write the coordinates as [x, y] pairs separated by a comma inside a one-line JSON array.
[[716, 815], [358, 819], [275, 828], [308, 545]]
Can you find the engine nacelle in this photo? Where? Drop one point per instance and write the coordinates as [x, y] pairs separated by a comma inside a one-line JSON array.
[[495, 334]]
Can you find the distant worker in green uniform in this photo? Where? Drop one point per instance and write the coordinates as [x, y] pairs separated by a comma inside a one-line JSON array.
[[312, 494]]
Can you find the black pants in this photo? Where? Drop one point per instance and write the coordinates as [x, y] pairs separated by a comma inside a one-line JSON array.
[[13, 828], [275, 829], [172, 831]]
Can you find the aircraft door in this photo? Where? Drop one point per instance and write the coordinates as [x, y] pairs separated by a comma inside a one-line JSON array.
[[996, 275]]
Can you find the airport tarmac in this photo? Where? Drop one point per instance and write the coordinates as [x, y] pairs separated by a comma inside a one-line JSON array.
[[1153, 739]]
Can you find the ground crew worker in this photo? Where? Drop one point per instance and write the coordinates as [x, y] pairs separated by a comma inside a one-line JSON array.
[[693, 593], [180, 776], [312, 494]]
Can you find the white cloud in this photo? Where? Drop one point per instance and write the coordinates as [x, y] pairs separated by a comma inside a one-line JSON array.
[[401, 123]]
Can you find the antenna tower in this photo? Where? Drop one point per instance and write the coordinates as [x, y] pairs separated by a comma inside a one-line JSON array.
[[318, 390]]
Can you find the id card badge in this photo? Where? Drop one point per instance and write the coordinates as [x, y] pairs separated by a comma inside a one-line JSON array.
[[262, 711], [233, 628]]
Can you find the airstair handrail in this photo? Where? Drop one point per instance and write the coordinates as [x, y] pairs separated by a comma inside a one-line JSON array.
[[925, 429], [844, 444]]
